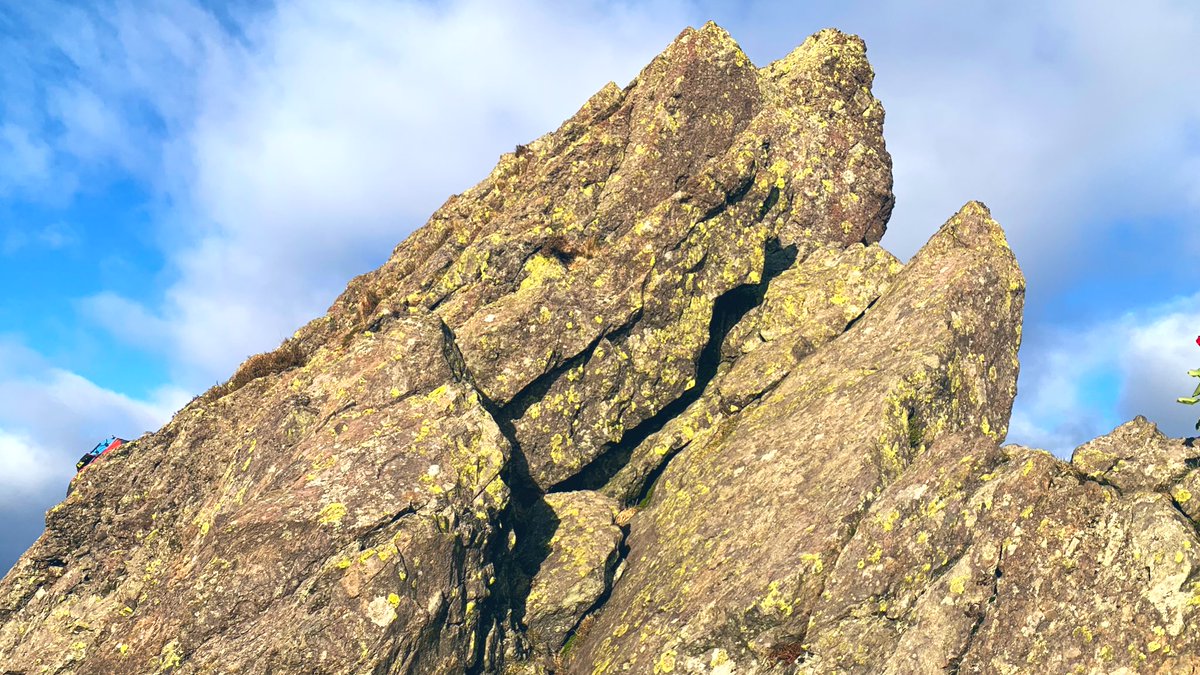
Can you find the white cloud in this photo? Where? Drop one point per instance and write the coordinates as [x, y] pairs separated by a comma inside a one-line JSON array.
[[327, 134], [52, 414], [1155, 363], [25, 160], [1064, 118], [296, 148], [36, 405], [48, 418], [93, 130], [91, 89], [128, 320], [1053, 411], [1144, 355], [24, 471]]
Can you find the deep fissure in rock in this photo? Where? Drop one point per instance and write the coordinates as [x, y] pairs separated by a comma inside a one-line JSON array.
[[505, 601], [728, 310], [536, 390], [769, 203], [528, 517], [914, 428], [861, 314], [731, 197], [610, 583], [1195, 525]]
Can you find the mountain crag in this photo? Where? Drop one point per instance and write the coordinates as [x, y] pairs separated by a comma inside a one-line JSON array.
[[650, 398]]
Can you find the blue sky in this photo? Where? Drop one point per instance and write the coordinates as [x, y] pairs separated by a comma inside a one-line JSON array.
[[184, 183]]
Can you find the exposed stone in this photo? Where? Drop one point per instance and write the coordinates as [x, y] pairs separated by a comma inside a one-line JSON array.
[[804, 307], [982, 559], [332, 517], [608, 243], [577, 571], [650, 398], [1136, 456], [745, 523]]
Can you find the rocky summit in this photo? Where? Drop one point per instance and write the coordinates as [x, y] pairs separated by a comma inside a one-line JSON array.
[[650, 398]]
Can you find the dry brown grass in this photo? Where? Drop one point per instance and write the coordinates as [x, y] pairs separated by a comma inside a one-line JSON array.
[[365, 303], [787, 652], [285, 357], [568, 249], [626, 516], [361, 309]]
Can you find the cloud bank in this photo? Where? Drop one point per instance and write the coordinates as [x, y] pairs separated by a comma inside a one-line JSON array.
[[297, 147]]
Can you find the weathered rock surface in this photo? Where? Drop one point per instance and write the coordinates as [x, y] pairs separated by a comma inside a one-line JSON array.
[[577, 571], [329, 518], [1135, 456], [1006, 560], [706, 567], [650, 398]]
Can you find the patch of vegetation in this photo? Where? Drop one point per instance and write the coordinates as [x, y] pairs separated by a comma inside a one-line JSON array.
[[285, 357]]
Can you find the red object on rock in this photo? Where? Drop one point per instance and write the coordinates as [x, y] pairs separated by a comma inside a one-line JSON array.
[[103, 447]]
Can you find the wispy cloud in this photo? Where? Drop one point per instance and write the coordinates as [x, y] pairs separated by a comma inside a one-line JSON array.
[[1045, 111], [27, 160], [298, 144], [53, 237], [97, 91], [1082, 383], [1161, 349], [326, 133], [130, 321], [24, 467]]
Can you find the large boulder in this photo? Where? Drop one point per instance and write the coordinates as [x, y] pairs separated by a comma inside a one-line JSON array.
[[332, 517], [366, 497], [994, 559], [577, 571]]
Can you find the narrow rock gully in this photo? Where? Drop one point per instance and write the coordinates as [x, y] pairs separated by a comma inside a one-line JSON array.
[[531, 523]]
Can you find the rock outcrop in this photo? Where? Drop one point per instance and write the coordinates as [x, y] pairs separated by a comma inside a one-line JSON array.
[[650, 398]]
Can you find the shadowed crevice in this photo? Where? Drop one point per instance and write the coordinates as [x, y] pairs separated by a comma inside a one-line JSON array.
[[861, 314], [610, 583], [728, 310], [536, 390], [527, 520]]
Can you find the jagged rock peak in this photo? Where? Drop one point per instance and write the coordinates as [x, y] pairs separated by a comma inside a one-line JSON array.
[[771, 492], [649, 398], [372, 494]]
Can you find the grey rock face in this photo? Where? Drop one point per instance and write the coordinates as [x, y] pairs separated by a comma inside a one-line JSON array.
[[650, 398], [578, 569]]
